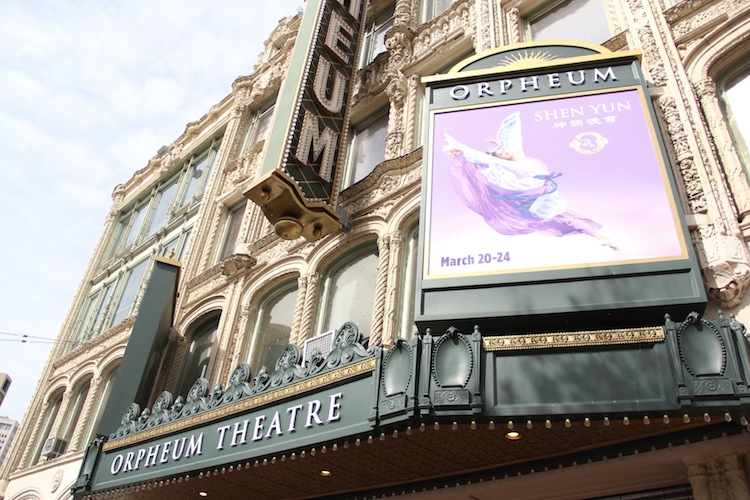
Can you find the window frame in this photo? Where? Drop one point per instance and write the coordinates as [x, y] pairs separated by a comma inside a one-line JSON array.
[[549, 7], [729, 79], [352, 172], [67, 431], [235, 214], [257, 341], [123, 287], [324, 320], [428, 10], [375, 28], [49, 420], [209, 152], [149, 228], [205, 326], [250, 135]]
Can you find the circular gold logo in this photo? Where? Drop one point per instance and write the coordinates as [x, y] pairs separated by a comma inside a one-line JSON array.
[[589, 143]]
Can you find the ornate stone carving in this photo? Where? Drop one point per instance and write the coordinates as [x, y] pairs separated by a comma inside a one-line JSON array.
[[513, 22], [236, 263], [691, 178], [724, 261], [718, 477], [397, 90], [452, 24], [736, 175], [405, 171]]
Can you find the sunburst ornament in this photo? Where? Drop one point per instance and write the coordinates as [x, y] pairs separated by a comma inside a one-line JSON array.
[[525, 59]]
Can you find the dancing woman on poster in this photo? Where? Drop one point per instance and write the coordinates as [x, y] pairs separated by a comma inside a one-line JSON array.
[[515, 194]]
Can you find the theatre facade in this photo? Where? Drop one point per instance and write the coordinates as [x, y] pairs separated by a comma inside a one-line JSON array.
[[468, 249]]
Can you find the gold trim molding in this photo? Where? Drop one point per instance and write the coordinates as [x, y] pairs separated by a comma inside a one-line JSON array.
[[574, 339], [255, 402]]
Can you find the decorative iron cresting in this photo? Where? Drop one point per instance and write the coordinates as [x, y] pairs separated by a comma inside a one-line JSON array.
[[347, 350]]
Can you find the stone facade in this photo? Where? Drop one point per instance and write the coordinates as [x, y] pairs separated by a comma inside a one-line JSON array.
[[686, 48]]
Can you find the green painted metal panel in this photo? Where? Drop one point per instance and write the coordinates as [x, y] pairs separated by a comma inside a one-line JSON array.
[[341, 411], [147, 341]]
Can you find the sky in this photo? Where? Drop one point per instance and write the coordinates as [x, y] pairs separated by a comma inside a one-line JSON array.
[[89, 91]]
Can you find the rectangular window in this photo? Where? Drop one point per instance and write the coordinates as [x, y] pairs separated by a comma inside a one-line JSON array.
[[374, 38], [84, 322], [119, 240], [159, 217], [349, 293], [584, 20], [129, 293], [196, 175], [367, 149], [433, 8], [185, 241], [232, 230], [169, 250], [102, 310], [101, 402], [258, 128], [737, 110], [198, 172], [135, 227]]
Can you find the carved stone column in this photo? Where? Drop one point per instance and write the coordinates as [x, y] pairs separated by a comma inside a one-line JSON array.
[[233, 332], [381, 286], [299, 307], [405, 14], [411, 108], [400, 52], [513, 26], [489, 23], [719, 478], [394, 142], [62, 413], [395, 277], [84, 420], [722, 254], [307, 322], [734, 170], [28, 450]]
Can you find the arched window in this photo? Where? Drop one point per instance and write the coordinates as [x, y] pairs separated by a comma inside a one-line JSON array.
[[349, 291], [52, 409], [74, 411], [199, 350], [406, 327], [735, 88], [101, 402], [273, 327]]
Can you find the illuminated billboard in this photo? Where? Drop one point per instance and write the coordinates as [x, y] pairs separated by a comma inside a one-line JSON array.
[[546, 191], [548, 184]]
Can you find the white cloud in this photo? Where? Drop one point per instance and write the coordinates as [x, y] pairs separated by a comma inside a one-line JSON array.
[[90, 91]]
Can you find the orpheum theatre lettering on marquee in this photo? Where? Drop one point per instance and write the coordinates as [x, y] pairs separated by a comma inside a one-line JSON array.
[[296, 189]]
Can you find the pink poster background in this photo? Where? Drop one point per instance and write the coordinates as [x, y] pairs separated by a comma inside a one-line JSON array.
[[621, 186]]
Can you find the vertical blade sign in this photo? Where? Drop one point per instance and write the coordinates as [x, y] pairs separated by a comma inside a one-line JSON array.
[[297, 187]]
